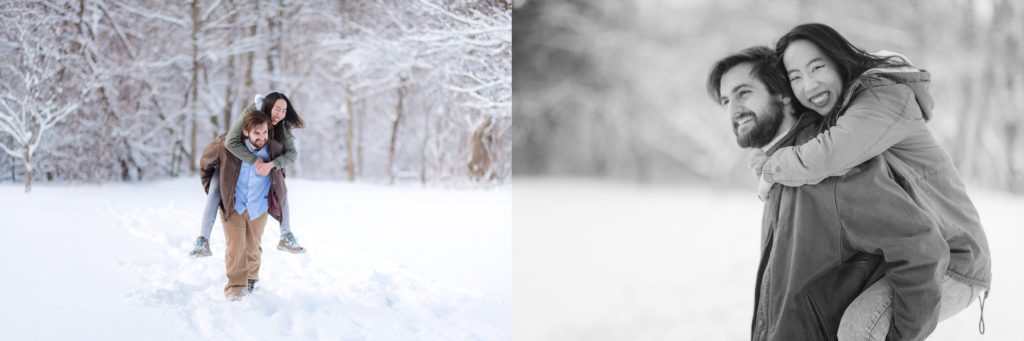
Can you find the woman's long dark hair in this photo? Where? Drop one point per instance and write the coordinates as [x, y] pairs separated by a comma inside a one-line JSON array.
[[850, 60], [291, 117]]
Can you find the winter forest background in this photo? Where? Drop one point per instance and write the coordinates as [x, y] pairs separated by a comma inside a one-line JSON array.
[[615, 89], [110, 90]]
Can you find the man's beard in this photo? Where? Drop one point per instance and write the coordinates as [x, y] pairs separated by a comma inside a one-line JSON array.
[[765, 126], [257, 146]]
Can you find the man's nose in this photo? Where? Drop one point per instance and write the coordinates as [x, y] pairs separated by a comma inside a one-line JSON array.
[[735, 110]]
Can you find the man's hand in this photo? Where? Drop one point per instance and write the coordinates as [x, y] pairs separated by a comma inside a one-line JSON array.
[[763, 187], [756, 160], [262, 167]]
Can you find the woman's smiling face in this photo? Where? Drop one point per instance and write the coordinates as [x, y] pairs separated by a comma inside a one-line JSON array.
[[278, 112], [813, 76]]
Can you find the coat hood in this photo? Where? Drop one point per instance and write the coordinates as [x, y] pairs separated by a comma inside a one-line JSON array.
[[917, 79]]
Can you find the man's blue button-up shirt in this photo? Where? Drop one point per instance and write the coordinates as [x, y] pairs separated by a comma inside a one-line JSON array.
[[251, 189]]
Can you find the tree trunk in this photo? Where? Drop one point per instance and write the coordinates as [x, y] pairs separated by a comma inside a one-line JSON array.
[[350, 167], [394, 134], [250, 57], [28, 169], [274, 54], [480, 161], [1012, 130], [423, 147], [360, 129], [192, 155], [228, 99], [230, 91]]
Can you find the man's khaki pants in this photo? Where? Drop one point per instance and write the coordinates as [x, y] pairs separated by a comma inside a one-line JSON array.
[[242, 257]]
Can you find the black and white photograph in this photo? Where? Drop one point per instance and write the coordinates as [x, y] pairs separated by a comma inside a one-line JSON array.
[[768, 170]]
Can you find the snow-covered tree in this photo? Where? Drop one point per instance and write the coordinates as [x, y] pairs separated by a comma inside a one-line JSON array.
[[35, 82], [471, 44]]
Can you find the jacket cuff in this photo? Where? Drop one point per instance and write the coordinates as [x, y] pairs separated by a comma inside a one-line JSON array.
[[766, 172]]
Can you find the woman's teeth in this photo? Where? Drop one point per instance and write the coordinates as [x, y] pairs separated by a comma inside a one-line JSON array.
[[820, 100]]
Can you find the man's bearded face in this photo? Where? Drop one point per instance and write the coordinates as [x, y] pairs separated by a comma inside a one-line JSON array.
[[257, 136], [758, 128]]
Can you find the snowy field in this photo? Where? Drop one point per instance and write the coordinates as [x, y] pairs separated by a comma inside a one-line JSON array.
[[109, 262], [600, 261]]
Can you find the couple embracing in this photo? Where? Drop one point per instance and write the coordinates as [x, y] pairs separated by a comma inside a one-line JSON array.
[[867, 231], [243, 174]]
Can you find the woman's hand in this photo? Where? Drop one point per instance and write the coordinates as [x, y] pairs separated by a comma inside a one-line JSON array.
[[763, 187], [262, 167], [756, 160]]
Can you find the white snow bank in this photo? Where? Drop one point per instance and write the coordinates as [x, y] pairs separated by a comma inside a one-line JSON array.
[[625, 262], [110, 262]]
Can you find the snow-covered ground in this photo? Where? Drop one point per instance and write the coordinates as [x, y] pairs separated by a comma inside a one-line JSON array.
[[109, 262], [600, 261]]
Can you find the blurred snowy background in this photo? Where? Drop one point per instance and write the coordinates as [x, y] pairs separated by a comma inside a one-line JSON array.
[[615, 89], [635, 217]]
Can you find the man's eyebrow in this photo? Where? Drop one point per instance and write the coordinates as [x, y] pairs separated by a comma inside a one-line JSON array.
[[723, 96], [736, 88]]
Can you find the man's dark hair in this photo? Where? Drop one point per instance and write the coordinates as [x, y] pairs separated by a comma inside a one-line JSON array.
[[762, 61], [253, 119]]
